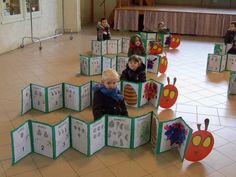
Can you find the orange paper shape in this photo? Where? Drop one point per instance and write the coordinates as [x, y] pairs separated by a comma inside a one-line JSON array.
[[175, 41], [163, 64], [169, 95], [200, 145]]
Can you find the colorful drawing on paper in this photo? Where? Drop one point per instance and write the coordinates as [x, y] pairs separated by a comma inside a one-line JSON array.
[[130, 95]]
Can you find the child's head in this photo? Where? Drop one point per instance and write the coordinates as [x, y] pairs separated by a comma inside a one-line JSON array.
[[134, 62], [161, 25], [136, 40], [232, 26], [110, 78], [104, 22]]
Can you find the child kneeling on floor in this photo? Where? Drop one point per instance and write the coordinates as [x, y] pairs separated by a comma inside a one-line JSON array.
[[107, 98], [135, 70]]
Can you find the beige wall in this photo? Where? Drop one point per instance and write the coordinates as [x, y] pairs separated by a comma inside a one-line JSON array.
[[72, 15], [85, 11], [99, 11]]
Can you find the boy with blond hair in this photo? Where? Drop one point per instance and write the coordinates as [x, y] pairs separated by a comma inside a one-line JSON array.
[[107, 98]]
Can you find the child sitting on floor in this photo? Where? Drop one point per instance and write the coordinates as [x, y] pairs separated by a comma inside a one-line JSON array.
[[232, 50], [136, 46], [135, 70], [162, 28], [103, 30], [231, 32], [107, 98]]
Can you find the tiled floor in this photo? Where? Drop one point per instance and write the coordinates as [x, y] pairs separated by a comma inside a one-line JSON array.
[[201, 95]]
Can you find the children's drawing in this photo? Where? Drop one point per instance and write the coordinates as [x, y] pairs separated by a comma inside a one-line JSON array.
[[201, 144], [112, 46], [38, 97], [142, 130], [119, 131], [130, 94], [153, 63], [121, 63], [62, 136], [79, 135], [85, 95], [97, 135], [216, 63], [151, 92], [125, 45], [231, 63], [175, 134], [21, 142], [95, 65], [99, 47], [71, 97], [169, 95], [26, 100], [84, 65], [55, 97], [106, 63], [42, 137]]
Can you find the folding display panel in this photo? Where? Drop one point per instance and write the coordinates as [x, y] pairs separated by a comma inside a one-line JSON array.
[[138, 94], [48, 99], [99, 47], [108, 62], [171, 134], [219, 49], [88, 138], [231, 62], [216, 63], [90, 65], [153, 63], [232, 84], [114, 46]]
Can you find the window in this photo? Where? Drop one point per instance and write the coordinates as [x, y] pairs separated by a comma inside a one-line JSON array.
[[17, 10], [35, 7], [11, 10]]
